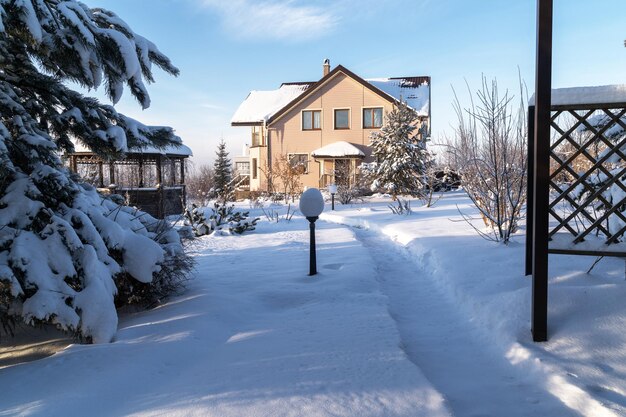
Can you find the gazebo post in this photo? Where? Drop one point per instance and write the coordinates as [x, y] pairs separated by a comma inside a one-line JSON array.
[[141, 171], [172, 171], [111, 172], [159, 171], [100, 174], [541, 195], [530, 184]]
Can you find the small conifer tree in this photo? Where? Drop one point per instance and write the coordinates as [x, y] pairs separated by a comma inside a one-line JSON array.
[[222, 172], [401, 154]]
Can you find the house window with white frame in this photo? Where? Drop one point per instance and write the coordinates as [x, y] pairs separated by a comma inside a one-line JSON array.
[[311, 119], [342, 119], [372, 118], [300, 162]]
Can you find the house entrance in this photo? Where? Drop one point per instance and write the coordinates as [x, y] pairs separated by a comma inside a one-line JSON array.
[[342, 171]]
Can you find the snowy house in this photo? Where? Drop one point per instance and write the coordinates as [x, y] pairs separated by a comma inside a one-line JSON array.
[[325, 126], [150, 178]]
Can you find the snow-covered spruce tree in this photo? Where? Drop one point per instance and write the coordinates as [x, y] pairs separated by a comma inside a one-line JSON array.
[[401, 154], [222, 173], [64, 249]]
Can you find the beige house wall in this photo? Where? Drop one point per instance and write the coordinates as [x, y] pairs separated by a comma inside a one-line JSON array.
[[341, 92], [258, 157]]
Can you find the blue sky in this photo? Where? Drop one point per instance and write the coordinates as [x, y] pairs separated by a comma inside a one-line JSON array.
[[227, 48]]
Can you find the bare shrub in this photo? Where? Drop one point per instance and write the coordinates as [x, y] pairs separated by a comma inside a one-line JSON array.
[[200, 182], [489, 149], [288, 175], [403, 207]]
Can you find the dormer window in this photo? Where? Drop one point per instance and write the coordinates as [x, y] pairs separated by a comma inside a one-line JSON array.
[[311, 119]]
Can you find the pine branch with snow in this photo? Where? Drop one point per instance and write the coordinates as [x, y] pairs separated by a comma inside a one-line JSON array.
[[64, 249]]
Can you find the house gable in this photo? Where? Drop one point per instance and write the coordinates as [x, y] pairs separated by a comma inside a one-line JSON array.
[[323, 82]]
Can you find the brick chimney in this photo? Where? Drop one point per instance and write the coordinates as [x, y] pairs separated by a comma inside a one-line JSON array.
[[326, 67]]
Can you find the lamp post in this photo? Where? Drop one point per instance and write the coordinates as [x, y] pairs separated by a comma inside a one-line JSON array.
[[332, 189], [312, 205]]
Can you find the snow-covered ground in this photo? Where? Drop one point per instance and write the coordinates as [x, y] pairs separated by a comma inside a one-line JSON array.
[[409, 316]]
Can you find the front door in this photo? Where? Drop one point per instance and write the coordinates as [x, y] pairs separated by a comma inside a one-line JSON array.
[[342, 172]]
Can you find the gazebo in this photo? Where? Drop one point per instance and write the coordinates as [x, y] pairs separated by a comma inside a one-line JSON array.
[[150, 178]]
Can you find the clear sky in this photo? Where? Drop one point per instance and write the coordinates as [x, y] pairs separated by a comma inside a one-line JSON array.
[[225, 48]]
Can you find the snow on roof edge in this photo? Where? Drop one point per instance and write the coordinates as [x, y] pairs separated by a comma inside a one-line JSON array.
[[180, 149], [602, 94], [260, 105]]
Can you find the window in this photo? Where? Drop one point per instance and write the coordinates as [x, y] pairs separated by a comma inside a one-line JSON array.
[[256, 136], [254, 168], [311, 119], [300, 162], [342, 119], [372, 118], [243, 168]]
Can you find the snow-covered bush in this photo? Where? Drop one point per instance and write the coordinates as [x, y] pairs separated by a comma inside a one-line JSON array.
[[67, 254], [223, 218], [194, 218]]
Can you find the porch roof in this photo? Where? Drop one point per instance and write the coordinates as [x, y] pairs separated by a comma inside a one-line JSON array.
[[341, 149]]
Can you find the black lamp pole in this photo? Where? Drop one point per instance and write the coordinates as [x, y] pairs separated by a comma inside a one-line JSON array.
[[312, 257], [332, 198]]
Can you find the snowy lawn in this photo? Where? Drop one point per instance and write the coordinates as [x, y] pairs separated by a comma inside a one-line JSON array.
[[409, 316], [253, 336]]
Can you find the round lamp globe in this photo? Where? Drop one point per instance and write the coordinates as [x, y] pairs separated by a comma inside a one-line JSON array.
[[311, 203], [332, 189]]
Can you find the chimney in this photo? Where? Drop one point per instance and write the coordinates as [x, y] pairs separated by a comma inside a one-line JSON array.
[[326, 67]]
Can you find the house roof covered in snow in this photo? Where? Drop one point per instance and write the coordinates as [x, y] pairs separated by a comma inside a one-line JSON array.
[[259, 106], [269, 106], [341, 149], [415, 91], [604, 94]]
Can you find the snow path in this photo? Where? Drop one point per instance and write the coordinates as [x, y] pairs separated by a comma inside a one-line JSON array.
[[474, 378]]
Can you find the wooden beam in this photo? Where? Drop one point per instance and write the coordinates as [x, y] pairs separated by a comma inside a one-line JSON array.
[[541, 196], [530, 183]]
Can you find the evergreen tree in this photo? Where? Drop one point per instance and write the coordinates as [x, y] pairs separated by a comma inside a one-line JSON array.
[[66, 252], [222, 172], [401, 154]]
